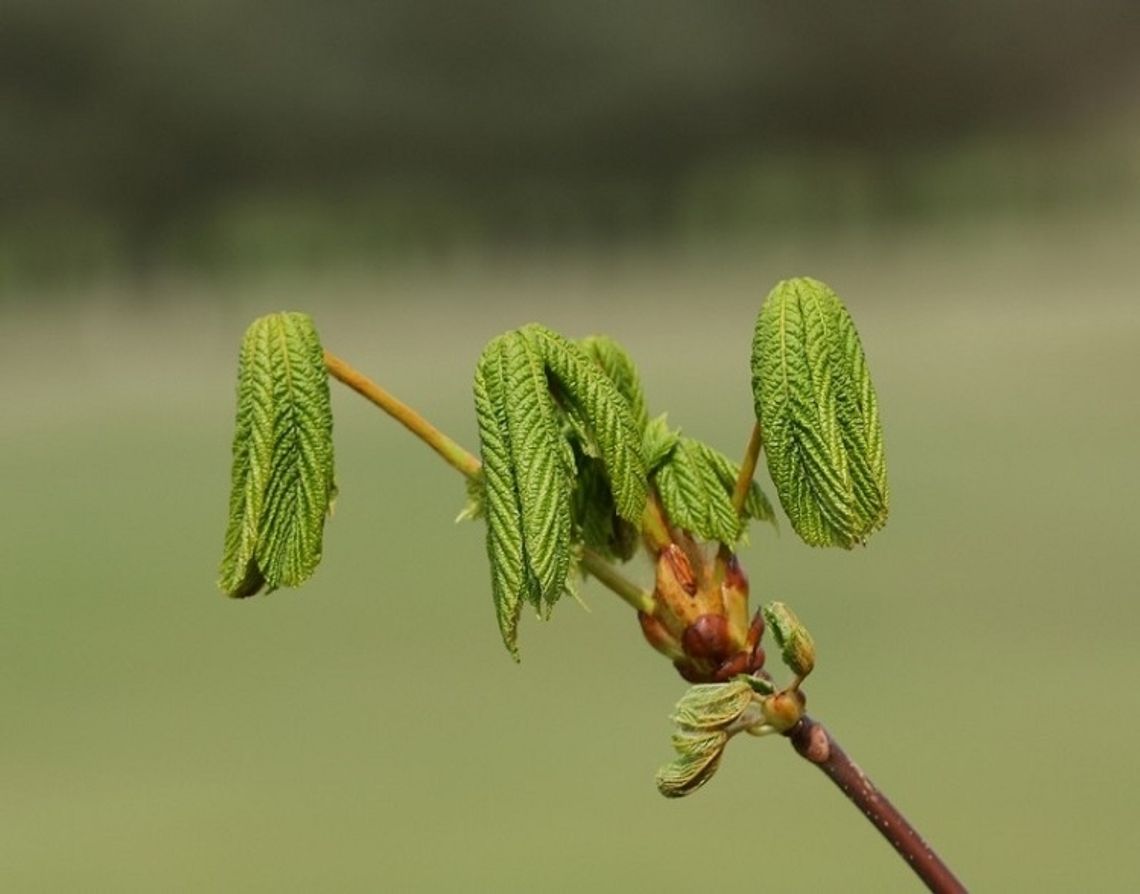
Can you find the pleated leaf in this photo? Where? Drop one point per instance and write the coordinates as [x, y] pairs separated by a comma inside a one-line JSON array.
[[282, 478], [562, 467], [756, 504], [818, 414], [500, 501], [694, 496], [596, 522], [604, 411], [542, 465], [618, 366]]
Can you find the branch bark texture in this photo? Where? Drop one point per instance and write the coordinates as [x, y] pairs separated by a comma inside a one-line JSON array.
[[814, 744]]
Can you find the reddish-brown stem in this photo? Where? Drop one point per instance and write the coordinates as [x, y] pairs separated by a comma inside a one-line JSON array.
[[814, 744]]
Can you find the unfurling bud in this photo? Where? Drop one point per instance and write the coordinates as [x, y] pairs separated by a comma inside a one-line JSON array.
[[796, 646], [698, 756]]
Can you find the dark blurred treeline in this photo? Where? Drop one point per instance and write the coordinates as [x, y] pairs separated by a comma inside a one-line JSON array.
[[137, 133]]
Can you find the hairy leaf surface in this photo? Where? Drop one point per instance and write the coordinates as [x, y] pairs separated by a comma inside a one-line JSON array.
[[694, 496], [618, 366], [756, 504], [282, 478], [817, 410], [543, 467], [562, 467], [500, 496], [605, 412]]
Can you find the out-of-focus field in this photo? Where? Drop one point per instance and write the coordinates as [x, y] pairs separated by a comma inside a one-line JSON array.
[[369, 733]]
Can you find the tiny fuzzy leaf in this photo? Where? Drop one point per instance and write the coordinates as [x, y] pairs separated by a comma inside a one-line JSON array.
[[603, 410], [694, 496], [658, 442], [509, 574], [797, 649], [712, 706], [818, 412], [698, 756], [476, 494], [619, 367], [282, 477]]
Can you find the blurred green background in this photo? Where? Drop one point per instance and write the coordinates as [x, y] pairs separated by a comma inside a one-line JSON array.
[[422, 176]]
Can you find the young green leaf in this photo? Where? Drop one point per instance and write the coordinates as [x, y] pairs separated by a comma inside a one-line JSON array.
[[543, 466], [618, 365], [693, 495], [596, 522], [500, 495], [658, 442], [709, 706], [561, 467], [603, 409], [797, 649], [282, 478], [698, 756], [756, 505], [817, 409]]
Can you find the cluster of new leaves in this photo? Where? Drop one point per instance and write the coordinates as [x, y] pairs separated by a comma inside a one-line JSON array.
[[532, 388], [282, 481], [818, 414], [704, 718]]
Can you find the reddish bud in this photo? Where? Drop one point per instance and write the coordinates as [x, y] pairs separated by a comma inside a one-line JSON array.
[[737, 664], [691, 673], [707, 637]]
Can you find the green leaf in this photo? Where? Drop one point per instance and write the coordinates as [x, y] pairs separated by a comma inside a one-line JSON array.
[[500, 496], [709, 706], [698, 756], [797, 649], [817, 410], [596, 522], [282, 479], [603, 410], [694, 496], [543, 467], [561, 467], [618, 366], [658, 442]]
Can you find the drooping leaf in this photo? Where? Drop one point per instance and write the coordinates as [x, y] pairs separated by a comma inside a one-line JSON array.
[[599, 403], [542, 464], [500, 494], [818, 414], [693, 496], [562, 467], [282, 477], [618, 365]]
